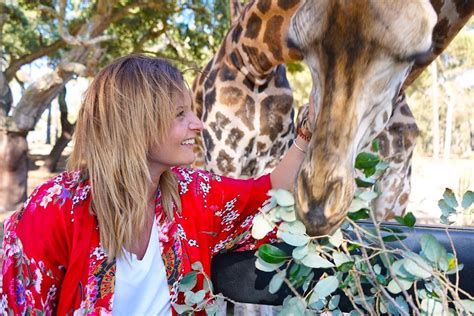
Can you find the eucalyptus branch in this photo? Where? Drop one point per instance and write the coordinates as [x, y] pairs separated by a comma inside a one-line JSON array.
[[372, 272], [451, 243], [288, 283], [350, 296], [394, 277]]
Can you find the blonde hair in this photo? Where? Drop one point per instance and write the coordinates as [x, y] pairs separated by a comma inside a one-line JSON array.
[[126, 110]]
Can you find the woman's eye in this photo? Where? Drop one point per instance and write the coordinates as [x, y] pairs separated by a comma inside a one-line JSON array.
[[181, 114]]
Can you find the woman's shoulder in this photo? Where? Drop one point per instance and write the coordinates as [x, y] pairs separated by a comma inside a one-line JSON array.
[[68, 185], [55, 198], [188, 175]]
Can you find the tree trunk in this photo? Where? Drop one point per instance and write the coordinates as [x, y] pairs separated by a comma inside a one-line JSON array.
[[35, 100], [6, 98], [435, 109], [449, 127], [13, 170], [67, 130], [48, 126]]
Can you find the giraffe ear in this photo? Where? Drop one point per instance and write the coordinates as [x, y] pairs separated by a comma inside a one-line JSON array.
[[308, 22]]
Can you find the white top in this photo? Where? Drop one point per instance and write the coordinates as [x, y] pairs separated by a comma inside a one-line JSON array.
[[141, 286]]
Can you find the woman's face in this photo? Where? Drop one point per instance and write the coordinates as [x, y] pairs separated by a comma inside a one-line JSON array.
[[177, 148]]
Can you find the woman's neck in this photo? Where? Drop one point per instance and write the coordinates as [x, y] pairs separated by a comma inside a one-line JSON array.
[[155, 176]]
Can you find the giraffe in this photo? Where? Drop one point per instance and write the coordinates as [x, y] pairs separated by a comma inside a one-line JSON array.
[[398, 136], [398, 139], [243, 96]]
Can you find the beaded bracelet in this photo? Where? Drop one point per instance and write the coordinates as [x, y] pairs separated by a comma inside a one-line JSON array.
[[304, 133]]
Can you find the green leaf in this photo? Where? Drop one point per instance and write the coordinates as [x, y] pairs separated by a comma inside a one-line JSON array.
[[418, 267], [316, 303], [377, 268], [467, 199], [276, 282], [265, 266], [212, 309], [182, 308], [340, 258], [336, 238], [293, 306], [408, 220], [191, 298], [197, 266], [296, 228], [366, 160], [261, 227], [271, 254], [357, 204], [283, 197], [364, 183], [336, 312], [395, 310], [376, 145], [313, 260], [468, 305], [207, 286], [394, 288], [381, 279], [325, 287], [334, 302], [446, 210], [300, 252], [392, 238], [370, 171], [286, 214], [398, 268], [293, 240], [382, 165], [307, 281], [361, 214], [345, 267], [368, 196], [434, 251], [188, 282], [431, 306], [450, 198]]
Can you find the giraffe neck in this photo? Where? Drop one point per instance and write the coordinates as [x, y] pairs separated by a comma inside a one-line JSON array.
[[452, 16], [258, 41]]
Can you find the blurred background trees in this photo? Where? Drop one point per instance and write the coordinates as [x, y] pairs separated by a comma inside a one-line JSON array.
[[73, 38], [51, 48]]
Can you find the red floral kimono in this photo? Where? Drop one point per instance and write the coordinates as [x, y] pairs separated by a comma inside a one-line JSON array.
[[54, 263]]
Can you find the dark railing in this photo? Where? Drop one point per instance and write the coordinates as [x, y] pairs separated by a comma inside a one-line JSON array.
[[235, 276]]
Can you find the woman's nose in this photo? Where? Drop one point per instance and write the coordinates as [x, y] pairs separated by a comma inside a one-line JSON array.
[[196, 124]]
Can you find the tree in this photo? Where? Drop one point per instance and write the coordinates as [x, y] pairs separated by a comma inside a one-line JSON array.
[[77, 37]]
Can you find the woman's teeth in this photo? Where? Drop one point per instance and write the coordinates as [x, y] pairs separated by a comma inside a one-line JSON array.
[[188, 142]]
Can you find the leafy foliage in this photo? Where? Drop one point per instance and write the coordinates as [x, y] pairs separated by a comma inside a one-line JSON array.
[[451, 208], [356, 261]]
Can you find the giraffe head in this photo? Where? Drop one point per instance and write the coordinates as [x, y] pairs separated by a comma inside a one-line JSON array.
[[359, 53]]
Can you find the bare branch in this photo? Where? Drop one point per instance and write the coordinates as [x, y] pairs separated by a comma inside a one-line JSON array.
[[16, 64], [73, 67]]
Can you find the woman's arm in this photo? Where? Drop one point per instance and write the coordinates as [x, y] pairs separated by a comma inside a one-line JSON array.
[[284, 175], [31, 273]]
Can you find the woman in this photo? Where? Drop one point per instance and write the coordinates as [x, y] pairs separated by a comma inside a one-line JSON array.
[[121, 227]]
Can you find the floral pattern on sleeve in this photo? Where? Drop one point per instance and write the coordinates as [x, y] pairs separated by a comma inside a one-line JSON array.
[[216, 216]]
